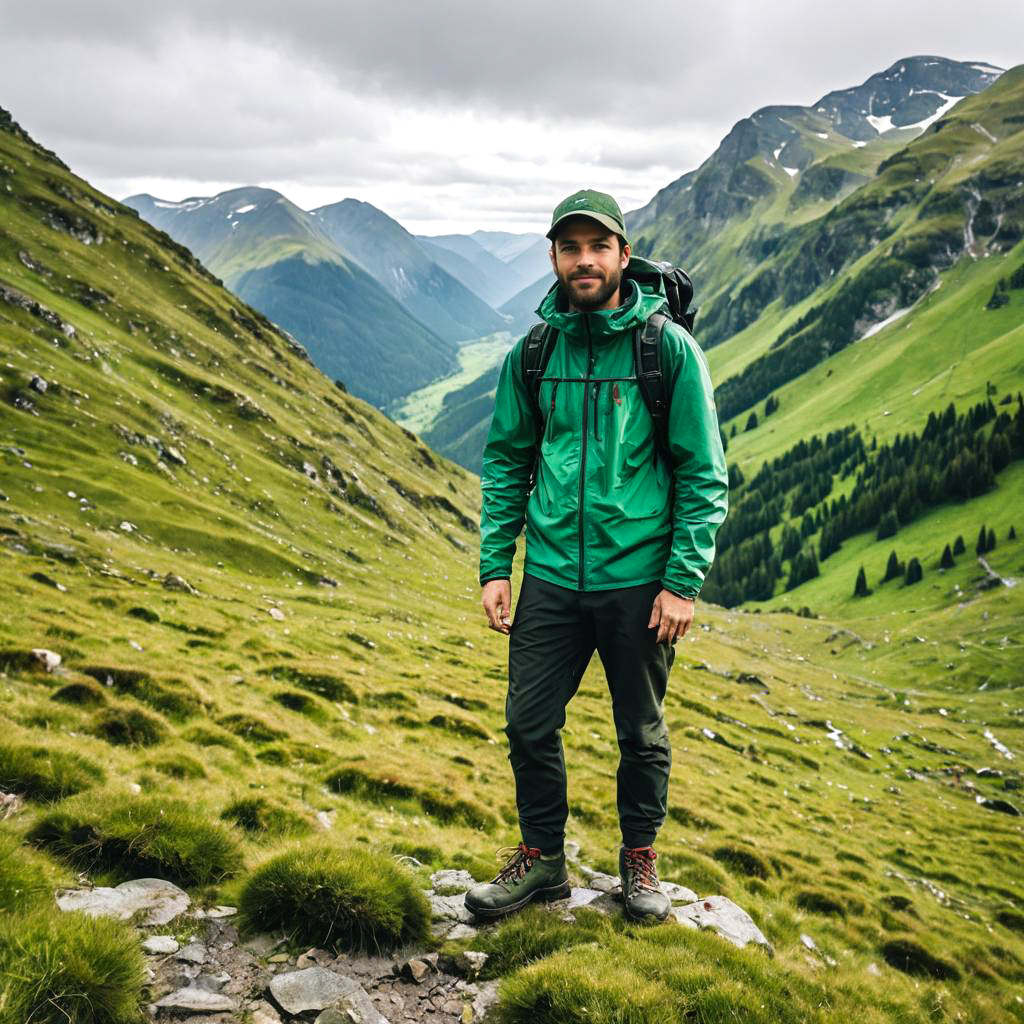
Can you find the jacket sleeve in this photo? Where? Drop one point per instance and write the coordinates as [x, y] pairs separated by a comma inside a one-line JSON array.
[[507, 467], [701, 492]]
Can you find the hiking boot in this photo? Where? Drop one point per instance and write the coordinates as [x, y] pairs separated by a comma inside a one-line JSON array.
[[641, 890], [524, 877]]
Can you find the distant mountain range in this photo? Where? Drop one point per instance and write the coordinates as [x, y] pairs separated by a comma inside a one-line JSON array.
[[375, 306]]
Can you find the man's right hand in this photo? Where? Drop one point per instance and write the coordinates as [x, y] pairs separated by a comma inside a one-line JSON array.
[[497, 601]]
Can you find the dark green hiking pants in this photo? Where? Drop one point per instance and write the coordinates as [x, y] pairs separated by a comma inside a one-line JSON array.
[[553, 637]]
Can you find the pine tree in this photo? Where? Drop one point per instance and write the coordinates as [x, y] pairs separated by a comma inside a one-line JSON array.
[[958, 545], [888, 525], [751, 421], [860, 588], [980, 545], [732, 433], [946, 561], [914, 572], [1012, 535], [990, 544], [893, 568]]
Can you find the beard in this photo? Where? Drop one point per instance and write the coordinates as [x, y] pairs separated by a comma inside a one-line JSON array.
[[591, 299]]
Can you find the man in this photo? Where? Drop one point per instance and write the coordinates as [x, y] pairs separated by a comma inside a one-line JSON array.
[[618, 542]]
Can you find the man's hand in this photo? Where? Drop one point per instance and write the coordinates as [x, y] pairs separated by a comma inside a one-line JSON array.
[[672, 615], [497, 600]]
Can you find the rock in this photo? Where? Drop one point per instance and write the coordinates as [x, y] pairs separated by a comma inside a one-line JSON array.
[[264, 1013], [1004, 806], [449, 908], [193, 953], [603, 903], [873, 969], [470, 962], [38, 384], [262, 944], [156, 900], [679, 893], [275, 613], [721, 915], [604, 883], [450, 882], [49, 660], [10, 803], [417, 969], [312, 957], [461, 931], [160, 944], [484, 1000], [174, 582], [311, 990], [572, 850], [196, 1000], [809, 942], [212, 982], [579, 897], [278, 958], [172, 454], [216, 912]]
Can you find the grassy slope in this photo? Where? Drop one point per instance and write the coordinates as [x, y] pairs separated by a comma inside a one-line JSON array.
[[403, 629]]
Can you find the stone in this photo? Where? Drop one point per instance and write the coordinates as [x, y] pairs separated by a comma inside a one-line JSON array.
[[461, 931], [721, 915], [312, 989], [193, 953], [449, 908], [175, 582], [262, 944], [278, 958], [579, 897], [572, 850], [156, 900], [160, 944], [679, 893], [38, 384], [49, 660], [450, 882], [275, 613], [416, 970], [212, 982], [171, 454], [484, 999], [216, 912], [604, 883], [264, 1013], [196, 1000], [471, 962], [312, 957]]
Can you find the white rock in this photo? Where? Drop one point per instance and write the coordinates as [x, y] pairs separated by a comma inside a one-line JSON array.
[[193, 953], [48, 659], [217, 912], [450, 882], [157, 901], [809, 942], [196, 1000], [604, 883], [461, 931], [157, 944], [275, 613], [449, 908], [679, 893], [579, 897], [721, 915]]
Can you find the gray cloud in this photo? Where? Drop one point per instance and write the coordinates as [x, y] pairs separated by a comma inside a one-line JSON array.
[[418, 98]]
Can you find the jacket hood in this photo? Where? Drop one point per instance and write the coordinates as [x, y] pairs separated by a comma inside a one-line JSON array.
[[643, 293]]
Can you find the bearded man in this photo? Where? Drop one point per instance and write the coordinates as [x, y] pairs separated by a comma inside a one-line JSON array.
[[618, 543]]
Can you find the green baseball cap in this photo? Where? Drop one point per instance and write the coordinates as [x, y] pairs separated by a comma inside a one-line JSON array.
[[597, 206]]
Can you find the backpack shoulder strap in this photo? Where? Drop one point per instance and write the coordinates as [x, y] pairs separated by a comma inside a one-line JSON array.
[[535, 355], [648, 366]]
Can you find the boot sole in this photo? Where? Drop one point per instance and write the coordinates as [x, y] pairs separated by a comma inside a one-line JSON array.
[[548, 895]]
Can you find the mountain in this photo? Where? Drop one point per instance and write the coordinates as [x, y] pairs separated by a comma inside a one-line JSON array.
[[784, 165], [497, 279], [506, 245], [395, 258], [282, 260], [263, 596], [522, 307]]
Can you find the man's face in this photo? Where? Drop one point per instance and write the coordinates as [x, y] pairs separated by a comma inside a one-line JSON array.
[[588, 263]]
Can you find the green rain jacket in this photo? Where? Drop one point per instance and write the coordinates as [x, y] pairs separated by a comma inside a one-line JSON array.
[[604, 512]]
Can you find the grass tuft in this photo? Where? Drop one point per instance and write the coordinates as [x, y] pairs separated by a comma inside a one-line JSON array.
[[742, 861], [907, 956], [263, 819], [22, 878], [69, 969], [124, 726], [340, 899], [819, 903], [85, 695], [45, 773], [137, 837]]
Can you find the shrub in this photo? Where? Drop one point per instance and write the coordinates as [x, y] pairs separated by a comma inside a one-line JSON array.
[[341, 899], [45, 773], [69, 969], [136, 837], [125, 726], [263, 819], [22, 878]]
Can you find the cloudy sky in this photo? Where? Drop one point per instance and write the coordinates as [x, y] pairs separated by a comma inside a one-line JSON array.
[[450, 115]]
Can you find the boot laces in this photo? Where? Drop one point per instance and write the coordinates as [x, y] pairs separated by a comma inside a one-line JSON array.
[[643, 873], [520, 860]]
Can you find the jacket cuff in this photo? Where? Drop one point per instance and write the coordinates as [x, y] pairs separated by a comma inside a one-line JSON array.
[[690, 594], [494, 576]]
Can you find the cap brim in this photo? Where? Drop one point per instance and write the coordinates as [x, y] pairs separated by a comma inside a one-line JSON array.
[[607, 222]]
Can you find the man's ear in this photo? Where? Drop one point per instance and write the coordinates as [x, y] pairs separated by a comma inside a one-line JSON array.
[[624, 256], [551, 256]]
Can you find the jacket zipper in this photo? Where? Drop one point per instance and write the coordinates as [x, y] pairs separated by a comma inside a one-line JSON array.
[[583, 456]]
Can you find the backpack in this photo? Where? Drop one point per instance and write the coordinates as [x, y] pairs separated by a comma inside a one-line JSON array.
[[540, 341]]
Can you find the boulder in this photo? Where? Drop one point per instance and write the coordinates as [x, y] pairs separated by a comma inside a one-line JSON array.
[[306, 992], [195, 1000], [721, 915], [156, 900], [49, 660], [160, 944]]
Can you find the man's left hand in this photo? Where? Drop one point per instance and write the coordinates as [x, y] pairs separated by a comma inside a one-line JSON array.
[[672, 615]]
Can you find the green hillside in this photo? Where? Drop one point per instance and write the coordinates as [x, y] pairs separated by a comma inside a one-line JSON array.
[[264, 596]]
